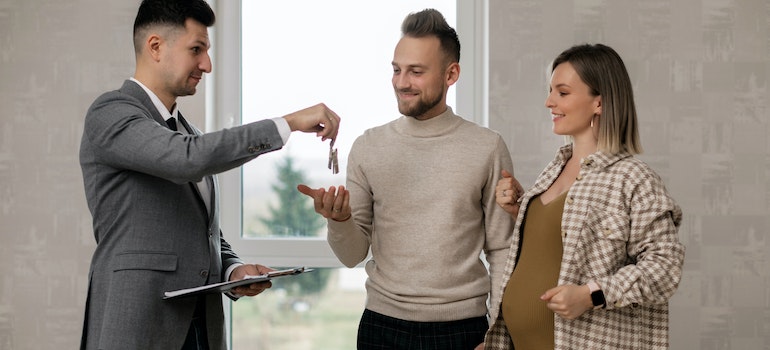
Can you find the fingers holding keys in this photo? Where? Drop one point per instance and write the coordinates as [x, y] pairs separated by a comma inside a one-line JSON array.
[[330, 128], [319, 119], [333, 203]]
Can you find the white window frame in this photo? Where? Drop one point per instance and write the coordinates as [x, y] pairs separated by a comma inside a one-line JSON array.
[[223, 110]]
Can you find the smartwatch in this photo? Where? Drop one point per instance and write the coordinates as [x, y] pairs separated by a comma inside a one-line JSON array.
[[597, 295]]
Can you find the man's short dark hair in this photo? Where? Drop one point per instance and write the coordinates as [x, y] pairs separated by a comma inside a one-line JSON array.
[[172, 13], [430, 22]]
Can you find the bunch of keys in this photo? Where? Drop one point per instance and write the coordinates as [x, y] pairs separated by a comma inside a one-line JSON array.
[[333, 163]]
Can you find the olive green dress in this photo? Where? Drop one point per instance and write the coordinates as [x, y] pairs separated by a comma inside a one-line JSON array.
[[529, 321]]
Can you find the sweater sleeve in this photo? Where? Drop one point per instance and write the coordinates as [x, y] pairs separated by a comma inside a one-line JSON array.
[[498, 224], [350, 239]]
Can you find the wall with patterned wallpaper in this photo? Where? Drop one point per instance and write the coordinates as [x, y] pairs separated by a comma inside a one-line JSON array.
[[700, 70], [56, 57]]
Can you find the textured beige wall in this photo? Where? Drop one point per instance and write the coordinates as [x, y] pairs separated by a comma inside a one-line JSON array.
[[700, 70], [55, 58]]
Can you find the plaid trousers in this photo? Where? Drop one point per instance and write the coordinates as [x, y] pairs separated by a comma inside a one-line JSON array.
[[379, 332]]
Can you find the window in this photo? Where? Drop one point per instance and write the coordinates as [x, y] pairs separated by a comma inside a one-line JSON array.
[[293, 54]]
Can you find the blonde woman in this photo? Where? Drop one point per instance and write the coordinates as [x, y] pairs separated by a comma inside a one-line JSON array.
[[595, 254]]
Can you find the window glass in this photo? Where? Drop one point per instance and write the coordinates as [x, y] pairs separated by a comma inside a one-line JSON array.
[[316, 310], [294, 54], [299, 53]]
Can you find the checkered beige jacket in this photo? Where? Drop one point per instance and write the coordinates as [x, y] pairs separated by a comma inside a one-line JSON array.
[[619, 228]]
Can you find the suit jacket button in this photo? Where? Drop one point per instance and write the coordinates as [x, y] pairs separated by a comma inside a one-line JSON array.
[[204, 273]]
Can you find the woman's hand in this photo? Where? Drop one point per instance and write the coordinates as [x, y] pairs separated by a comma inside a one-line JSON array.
[[568, 301], [508, 192]]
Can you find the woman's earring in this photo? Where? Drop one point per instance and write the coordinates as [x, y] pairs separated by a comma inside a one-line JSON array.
[[592, 121]]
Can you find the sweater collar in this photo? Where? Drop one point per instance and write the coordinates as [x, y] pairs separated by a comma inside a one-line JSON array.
[[436, 126]]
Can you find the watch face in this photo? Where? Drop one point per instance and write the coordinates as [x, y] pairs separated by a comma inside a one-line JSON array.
[[597, 298]]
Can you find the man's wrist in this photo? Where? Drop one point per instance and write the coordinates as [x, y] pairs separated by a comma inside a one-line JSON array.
[[230, 270], [283, 128], [343, 220]]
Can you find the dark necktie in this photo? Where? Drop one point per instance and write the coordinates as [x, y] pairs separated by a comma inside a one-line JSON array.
[[171, 123]]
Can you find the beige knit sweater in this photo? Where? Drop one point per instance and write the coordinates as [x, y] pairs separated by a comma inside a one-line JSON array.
[[422, 194]]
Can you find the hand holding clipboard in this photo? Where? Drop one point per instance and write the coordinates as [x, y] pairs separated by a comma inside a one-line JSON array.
[[223, 287]]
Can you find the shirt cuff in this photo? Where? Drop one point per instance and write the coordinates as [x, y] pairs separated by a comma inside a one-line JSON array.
[[283, 128], [228, 272]]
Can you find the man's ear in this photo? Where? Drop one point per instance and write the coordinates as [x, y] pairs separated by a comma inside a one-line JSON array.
[[452, 73], [153, 45]]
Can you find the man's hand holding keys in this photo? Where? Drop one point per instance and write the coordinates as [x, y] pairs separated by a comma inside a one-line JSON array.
[[318, 119]]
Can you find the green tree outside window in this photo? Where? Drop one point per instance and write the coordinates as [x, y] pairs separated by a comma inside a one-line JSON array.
[[294, 215]]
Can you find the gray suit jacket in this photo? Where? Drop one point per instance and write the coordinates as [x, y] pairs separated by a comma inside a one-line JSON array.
[[152, 229]]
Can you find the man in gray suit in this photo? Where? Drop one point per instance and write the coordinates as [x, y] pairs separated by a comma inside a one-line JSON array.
[[150, 186]]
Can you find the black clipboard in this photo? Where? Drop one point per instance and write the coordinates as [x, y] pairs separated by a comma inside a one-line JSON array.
[[223, 287]]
